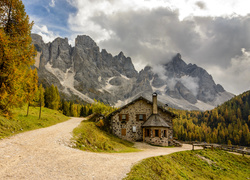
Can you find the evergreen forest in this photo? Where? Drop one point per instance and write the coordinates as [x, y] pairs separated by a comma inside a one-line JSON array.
[[227, 124]]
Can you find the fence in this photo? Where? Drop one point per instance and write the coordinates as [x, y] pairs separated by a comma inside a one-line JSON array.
[[232, 148]]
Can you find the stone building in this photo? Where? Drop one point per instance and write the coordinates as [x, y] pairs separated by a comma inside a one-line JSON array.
[[143, 120]]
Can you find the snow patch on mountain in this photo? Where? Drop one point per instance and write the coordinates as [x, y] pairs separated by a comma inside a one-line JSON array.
[[67, 80]]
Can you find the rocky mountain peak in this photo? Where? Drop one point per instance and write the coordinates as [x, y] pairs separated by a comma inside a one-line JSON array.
[[36, 38], [85, 42], [178, 62], [120, 55], [87, 73]]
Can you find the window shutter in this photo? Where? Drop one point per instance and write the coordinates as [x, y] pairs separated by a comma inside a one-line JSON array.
[[137, 117], [159, 133], [144, 117], [153, 133], [127, 117], [120, 117]]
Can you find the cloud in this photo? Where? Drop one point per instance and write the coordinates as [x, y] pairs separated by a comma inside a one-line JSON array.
[[235, 77], [201, 5], [151, 36], [48, 36], [152, 31], [52, 3], [192, 83]]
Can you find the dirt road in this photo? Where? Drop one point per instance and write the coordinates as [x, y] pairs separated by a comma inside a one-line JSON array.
[[44, 154]]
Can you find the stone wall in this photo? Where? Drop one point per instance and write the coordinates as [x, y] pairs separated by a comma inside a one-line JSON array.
[[161, 140], [168, 119], [139, 107]]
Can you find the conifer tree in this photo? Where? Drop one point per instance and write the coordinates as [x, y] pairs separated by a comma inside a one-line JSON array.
[[16, 55], [52, 97]]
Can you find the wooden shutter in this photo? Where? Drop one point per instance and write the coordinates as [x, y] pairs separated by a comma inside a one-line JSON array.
[[124, 132], [159, 133], [120, 117], [137, 117], [153, 133], [127, 116], [144, 117]]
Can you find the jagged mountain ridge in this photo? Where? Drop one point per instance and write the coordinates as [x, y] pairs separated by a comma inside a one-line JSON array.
[[88, 73]]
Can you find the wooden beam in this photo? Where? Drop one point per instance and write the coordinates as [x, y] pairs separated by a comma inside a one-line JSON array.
[[143, 132]]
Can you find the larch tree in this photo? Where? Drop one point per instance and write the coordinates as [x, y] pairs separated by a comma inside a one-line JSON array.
[[41, 99], [16, 56]]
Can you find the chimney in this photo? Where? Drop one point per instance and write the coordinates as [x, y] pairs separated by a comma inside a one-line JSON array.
[[154, 96]]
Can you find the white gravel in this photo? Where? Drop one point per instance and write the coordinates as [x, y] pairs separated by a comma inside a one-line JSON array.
[[44, 154]]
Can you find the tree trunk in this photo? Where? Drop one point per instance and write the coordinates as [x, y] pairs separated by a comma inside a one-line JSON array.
[[28, 109], [40, 110]]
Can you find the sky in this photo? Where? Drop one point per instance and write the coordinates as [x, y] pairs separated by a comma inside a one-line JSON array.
[[214, 34]]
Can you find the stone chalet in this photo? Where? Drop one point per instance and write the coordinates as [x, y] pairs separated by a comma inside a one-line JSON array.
[[143, 120]]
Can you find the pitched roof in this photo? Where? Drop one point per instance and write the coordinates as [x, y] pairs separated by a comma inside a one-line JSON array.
[[144, 99], [155, 121]]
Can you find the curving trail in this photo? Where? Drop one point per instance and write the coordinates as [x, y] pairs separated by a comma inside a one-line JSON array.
[[45, 154]]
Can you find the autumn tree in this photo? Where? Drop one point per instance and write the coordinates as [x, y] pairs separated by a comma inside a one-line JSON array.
[[41, 99], [52, 97], [16, 56]]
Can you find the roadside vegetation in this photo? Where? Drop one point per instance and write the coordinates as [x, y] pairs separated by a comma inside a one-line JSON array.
[[21, 122], [198, 164], [87, 136]]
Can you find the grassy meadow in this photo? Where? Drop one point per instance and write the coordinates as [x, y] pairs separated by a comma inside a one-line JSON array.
[[88, 137], [20, 122], [198, 164]]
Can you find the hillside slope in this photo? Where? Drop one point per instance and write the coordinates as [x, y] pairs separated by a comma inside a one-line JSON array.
[[228, 123], [21, 123], [202, 164]]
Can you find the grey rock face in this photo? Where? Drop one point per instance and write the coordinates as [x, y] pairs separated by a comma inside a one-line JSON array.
[[185, 93], [207, 89], [60, 54], [86, 72]]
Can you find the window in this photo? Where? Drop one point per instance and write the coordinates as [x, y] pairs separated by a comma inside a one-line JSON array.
[[165, 133], [123, 117], [140, 117], [148, 133], [124, 132], [156, 133]]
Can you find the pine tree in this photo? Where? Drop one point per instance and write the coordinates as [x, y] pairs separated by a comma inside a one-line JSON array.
[[16, 55]]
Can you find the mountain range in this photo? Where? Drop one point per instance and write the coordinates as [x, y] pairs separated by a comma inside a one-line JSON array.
[[84, 72]]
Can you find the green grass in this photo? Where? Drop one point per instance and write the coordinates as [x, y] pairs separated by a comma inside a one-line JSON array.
[[20, 122], [198, 164], [88, 137]]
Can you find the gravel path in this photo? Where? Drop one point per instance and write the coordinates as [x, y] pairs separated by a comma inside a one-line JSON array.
[[44, 154]]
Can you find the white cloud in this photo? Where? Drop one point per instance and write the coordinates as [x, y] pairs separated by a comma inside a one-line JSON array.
[[149, 36], [234, 78], [48, 36], [52, 3], [81, 21], [192, 83]]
